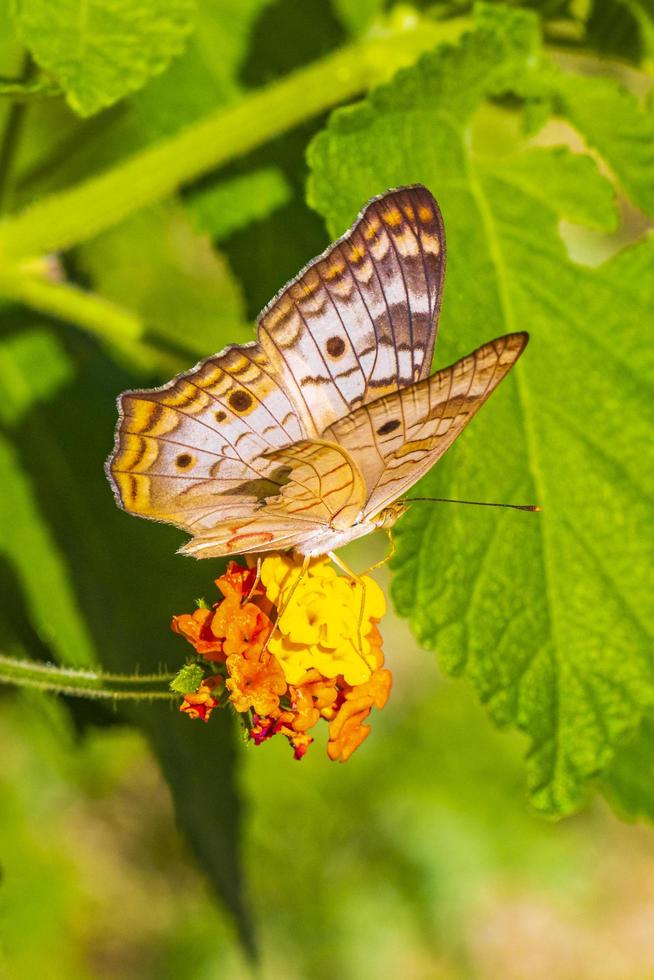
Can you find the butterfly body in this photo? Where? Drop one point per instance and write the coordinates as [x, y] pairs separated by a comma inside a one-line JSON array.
[[307, 438]]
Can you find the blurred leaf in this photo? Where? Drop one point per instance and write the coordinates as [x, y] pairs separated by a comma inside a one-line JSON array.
[[613, 30], [40, 566], [62, 150], [548, 616], [205, 76], [158, 265], [24, 91], [629, 780], [99, 52], [235, 203], [643, 13], [122, 584], [33, 365], [357, 15]]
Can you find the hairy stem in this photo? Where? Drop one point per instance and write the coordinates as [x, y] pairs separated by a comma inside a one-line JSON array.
[[84, 683]]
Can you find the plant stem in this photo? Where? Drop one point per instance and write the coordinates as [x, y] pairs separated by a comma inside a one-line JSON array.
[[72, 216], [84, 683], [98, 316]]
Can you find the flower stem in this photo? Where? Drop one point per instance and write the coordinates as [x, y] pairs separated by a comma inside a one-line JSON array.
[[84, 683], [101, 317], [72, 216]]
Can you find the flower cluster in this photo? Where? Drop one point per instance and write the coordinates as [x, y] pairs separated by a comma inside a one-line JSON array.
[[287, 646]]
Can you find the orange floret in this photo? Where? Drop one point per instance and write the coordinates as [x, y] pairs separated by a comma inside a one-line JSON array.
[[255, 684], [202, 703], [286, 675], [346, 729], [196, 628]]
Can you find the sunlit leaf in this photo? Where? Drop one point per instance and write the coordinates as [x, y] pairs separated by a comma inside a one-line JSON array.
[[549, 616], [616, 125], [70, 39]]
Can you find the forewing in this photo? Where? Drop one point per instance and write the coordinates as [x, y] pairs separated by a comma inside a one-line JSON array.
[[396, 439], [360, 320], [192, 453]]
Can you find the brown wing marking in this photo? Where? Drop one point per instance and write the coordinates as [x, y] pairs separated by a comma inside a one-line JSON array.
[[322, 488], [197, 444], [396, 439], [360, 320]]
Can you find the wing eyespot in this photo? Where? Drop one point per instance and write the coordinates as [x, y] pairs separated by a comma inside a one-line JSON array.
[[335, 347], [388, 427], [240, 401], [184, 461]]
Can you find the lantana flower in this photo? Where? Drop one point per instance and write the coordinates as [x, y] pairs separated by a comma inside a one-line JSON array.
[[289, 647]]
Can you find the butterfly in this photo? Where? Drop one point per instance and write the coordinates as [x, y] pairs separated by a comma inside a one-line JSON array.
[[307, 438]]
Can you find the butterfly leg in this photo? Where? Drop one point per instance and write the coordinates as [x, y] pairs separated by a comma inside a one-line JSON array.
[[359, 581], [257, 579], [284, 606], [387, 558]]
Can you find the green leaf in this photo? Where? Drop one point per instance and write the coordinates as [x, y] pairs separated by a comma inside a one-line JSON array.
[[157, 264], [112, 599], [549, 616], [358, 15], [27, 91], [40, 566], [612, 30], [614, 123], [33, 366], [188, 679], [100, 51], [628, 782], [233, 204]]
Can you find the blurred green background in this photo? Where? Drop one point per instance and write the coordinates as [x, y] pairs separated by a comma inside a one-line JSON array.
[[164, 169]]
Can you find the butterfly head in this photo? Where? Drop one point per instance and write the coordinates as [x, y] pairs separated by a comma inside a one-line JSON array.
[[387, 517]]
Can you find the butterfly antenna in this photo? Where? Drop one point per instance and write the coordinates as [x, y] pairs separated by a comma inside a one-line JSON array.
[[534, 508]]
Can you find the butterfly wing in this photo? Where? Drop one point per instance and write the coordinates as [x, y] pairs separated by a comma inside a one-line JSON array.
[[193, 451], [360, 320], [321, 488], [396, 439]]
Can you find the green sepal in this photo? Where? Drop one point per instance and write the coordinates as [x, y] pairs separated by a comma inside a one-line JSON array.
[[188, 679]]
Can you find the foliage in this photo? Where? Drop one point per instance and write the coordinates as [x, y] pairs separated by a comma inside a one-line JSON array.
[[547, 616], [574, 681]]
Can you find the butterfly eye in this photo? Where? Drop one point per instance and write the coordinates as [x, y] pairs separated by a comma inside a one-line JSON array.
[[240, 401], [388, 427], [335, 346]]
